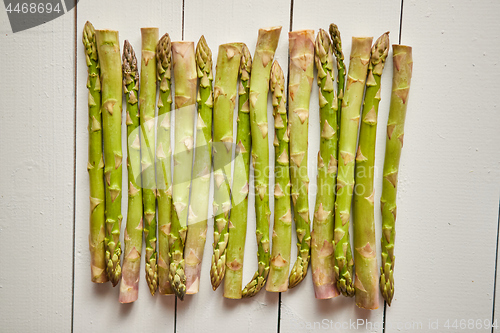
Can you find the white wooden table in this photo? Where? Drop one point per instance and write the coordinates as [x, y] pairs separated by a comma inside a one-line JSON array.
[[448, 198]]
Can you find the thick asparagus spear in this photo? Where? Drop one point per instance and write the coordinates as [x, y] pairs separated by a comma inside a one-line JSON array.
[[259, 88], [197, 219], [358, 66], [111, 86], [301, 45], [403, 67], [365, 250], [129, 287], [239, 199], [184, 64], [282, 230], [147, 105], [226, 79], [163, 159], [322, 234], [96, 164], [339, 55]]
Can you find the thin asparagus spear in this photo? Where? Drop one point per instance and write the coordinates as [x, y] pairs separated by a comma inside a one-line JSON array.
[[111, 86], [163, 159], [301, 45], [282, 231], [147, 105], [226, 79], [339, 55], [365, 250], [259, 88], [197, 221], [403, 67], [239, 200], [358, 66], [184, 64], [129, 287], [322, 234], [96, 164]]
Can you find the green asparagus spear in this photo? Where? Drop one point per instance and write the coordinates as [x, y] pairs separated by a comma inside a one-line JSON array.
[[129, 287], [200, 190], [184, 64], [358, 66], [259, 88], [147, 105], [239, 199], [365, 250], [403, 67], [111, 86], [322, 234], [226, 79], [282, 231], [163, 159], [96, 164], [301, 44], [339, 55]]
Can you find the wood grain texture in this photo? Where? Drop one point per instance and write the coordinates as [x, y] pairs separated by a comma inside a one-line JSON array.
[[300, 311], [36, 186], [448, 187], [223, 22], [449, 174], [96, 306]]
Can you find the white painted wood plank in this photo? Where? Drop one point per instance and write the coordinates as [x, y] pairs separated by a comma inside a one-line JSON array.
[[36, 186], [223, 22], [449, 176], [96, 306], [300, 311]]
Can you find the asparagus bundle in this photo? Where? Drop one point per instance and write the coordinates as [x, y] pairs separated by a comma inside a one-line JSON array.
[[322, 234], [197, 219], [301, 44], [282, 231], [184, 64], [259, 88], [358, 66], [239, 199], [163, 158], [365, 251], [339, 55], [111, 86], [147, 105], [129, 287], [226, 79], [96, 164], [403, 67]]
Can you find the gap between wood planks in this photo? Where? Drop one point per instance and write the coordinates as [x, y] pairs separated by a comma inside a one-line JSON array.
[[74, 173]]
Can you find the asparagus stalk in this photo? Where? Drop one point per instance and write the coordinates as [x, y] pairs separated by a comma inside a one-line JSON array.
[[301, 45], [358, 66], [226, 79], [129, 287], [239, 201], [322, 234], [147, 105], [197, 221], [163, 160], [96, 164], [111, 86], [339, 55], [282, 231], [365, 251], [403, 67], [259, 88], [185, 98]]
